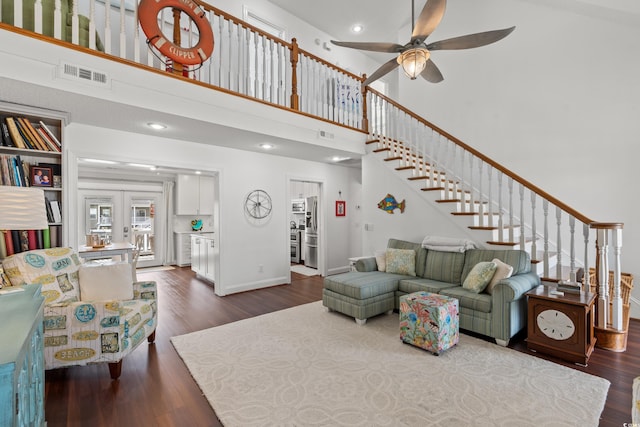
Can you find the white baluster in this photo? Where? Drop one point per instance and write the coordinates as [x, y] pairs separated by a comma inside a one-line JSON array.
[[136, 32], [37, 16], [230, 70], [545, 211], [463, 204], [572, 249], [57, 17], [490, 196], [457, 193], [587, 279], [247, 62], [17, 13], [559, 243], [534, 237], [123, 34], [603, 277], [500, 209], [472, 199], [481, 205], [107, 26], [616, 308], [522, 223], [511, 219], [75, 23]]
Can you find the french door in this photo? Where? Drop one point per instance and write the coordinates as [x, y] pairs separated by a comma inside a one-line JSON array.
[[125, 216]]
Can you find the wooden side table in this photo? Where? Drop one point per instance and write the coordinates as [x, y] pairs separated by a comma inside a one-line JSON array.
[[561, 325]]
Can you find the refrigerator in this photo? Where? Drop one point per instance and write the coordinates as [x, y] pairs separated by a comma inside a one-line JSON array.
[[311, 233]]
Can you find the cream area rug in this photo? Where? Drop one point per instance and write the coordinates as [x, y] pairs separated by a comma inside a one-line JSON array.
[[302, 269], [305, 366]]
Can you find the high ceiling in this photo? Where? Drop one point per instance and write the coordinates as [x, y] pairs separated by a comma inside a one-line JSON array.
[[383, 18]]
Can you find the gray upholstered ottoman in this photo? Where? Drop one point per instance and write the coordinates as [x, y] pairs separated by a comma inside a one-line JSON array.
[[361, 294]]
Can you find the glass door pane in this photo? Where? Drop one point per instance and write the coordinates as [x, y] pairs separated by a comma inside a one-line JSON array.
[[142, 215]]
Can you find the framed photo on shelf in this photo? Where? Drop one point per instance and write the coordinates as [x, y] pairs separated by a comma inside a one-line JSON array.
[[41, 176], [341, 208]]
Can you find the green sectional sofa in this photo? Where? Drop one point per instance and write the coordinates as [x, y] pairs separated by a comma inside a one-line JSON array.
[[368, 292]]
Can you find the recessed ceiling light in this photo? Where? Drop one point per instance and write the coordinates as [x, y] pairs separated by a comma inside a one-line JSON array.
[[105, 162], [140, 165], [198, 172], [357, 28], [339, 159], [266, 146], [157, 126]]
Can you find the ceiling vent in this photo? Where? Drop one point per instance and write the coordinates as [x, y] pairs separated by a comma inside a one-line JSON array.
[[83, 74]]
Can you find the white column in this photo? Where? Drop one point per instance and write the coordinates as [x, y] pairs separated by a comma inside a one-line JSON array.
[[603, 277], [616, 309]]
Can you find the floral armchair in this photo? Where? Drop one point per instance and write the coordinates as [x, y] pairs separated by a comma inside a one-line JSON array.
[[77, 330]]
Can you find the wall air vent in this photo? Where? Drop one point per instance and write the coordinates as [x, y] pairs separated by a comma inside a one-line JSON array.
[[324, 134], [84, 74]]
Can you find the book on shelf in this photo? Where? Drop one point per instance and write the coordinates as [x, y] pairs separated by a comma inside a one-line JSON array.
[[55, 211], [5, 137], [52, 135], [32, 135], [18, 142]]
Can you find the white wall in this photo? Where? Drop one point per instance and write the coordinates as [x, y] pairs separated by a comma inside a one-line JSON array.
[[420, 218], [245, 245], [556, 102]]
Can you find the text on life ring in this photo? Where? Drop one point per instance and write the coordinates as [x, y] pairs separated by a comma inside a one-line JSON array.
[[148, 16]]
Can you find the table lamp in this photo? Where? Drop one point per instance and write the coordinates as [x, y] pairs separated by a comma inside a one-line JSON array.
[[21, 208]]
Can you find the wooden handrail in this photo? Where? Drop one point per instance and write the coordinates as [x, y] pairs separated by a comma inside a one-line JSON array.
[[241, 23], [330, 65], [556, 202]]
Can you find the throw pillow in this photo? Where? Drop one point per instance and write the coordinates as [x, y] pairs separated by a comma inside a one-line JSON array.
[[479, 276], [503, 271], [401, 261], [103, 282], [381, 260]]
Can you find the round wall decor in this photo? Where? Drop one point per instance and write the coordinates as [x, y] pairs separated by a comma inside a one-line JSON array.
[[258, 204]]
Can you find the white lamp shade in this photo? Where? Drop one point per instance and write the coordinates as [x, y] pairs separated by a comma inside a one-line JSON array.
[[414, 61], [22, 208]]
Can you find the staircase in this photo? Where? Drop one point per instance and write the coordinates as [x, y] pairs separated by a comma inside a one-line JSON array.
[[499, 207]]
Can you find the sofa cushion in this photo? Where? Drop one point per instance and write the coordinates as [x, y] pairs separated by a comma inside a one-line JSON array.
[[468, 299], [359, 285], [421, 253], [519, 260], [102, 282], [401, 261], [479, 276], [444, 266], [410, 286], [503, 271], [381, 260]]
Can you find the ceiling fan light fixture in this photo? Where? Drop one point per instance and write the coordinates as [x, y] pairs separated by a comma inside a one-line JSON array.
[[414, 61]]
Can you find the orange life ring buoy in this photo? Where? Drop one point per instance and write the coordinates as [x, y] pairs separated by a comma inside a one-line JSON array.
[[148, 16]]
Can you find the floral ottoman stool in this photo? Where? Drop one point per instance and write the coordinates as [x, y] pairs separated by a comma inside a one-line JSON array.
[[429, 321]]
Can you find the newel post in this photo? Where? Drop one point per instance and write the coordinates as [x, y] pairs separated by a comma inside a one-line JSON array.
[[295, 100], [609, 307], [365, 113]]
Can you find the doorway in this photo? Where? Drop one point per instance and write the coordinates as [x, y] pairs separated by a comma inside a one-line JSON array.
[[306, 226], [124, 216]]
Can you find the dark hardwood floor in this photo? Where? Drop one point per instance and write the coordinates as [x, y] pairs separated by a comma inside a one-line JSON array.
[[156, 389]]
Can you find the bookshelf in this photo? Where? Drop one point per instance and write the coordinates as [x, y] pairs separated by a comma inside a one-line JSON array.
[[31, 154]]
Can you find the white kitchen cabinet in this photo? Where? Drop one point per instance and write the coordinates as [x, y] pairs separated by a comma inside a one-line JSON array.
[[183, 249], [203, 255], [194, 195]]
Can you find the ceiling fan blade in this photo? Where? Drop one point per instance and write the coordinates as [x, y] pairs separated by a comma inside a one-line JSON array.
[[431, 73], [429, 18], [372, 46], [471, 40], [387, 67]]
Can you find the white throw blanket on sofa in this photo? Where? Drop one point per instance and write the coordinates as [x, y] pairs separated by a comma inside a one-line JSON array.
[[447, 244]]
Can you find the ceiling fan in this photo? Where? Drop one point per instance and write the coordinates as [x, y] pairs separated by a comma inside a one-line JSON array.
[[415, 55]]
